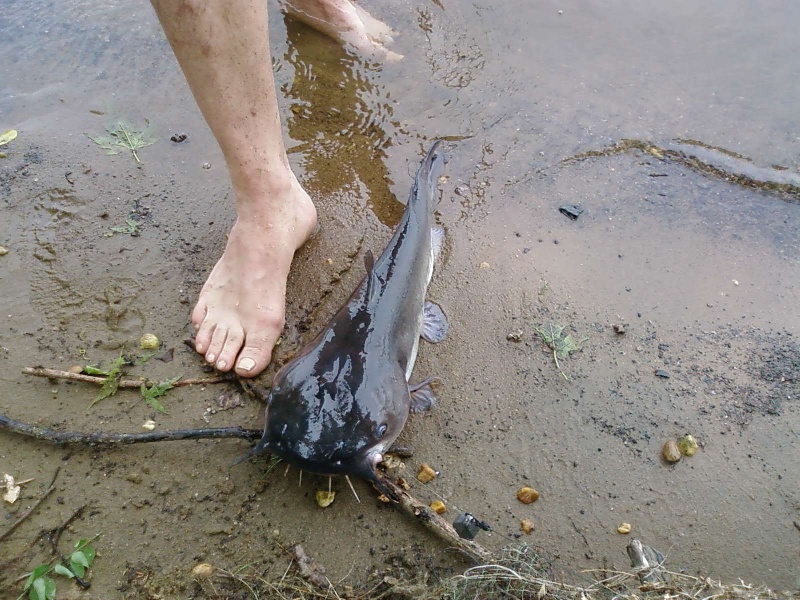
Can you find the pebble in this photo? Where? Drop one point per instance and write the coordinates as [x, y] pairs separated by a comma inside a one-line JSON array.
[[203, 571], [3, 250], [526, 525], [438, 507], [484, 265], [325, 498], [670, 452], [687, 445], [149, 341], [426, 474], [149, 425], [624, 528], [527, 495]]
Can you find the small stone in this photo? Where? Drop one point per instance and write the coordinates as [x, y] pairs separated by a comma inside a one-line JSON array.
[[134, 477], [149, 425], [207, 165], [735, 282], [149, 341], [202, 571], [403, 483], [426, 474], [325, 498], [438, 507], [619, 328], [484, 265], [662, 373], [687, 445], [624, 528], [527, 495], [515, 336], [3, 250], [670, 452], [384, 498], [526, 525], [76, 369]]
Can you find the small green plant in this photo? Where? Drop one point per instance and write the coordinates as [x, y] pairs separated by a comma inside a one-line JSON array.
[[123, 134], [40, 586], [155, 391], [131, 227], [112, 371], [561, 345]]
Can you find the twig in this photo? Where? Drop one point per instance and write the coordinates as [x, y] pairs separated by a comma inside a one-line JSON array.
[[54, 535], [124, 383], [69, 437], [432, 521], [36, 504]]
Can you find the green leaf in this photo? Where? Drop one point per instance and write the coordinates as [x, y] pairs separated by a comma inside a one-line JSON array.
[[150, 394], [77, 568], [142, 359], [111, 384], [43, 588], [36, 574], [131, 227], [94, 370], [8, 136], [62, 570], [79, 558], [125, 135]]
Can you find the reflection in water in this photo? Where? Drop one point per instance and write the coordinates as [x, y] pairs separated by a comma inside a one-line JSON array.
[[339, 122]]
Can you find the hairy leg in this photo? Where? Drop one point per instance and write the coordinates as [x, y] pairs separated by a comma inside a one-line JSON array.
[[223, 49]]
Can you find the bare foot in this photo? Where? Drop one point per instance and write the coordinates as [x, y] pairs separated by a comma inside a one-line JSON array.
[[349, 24], [240, 311]]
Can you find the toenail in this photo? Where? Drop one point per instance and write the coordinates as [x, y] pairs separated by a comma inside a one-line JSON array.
[[210, 358], [221, 364], [247, 364]]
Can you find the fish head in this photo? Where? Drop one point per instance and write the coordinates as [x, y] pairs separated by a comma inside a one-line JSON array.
[[330, 428]]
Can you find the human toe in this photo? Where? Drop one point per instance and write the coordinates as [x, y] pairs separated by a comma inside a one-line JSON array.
[[252, 360], [227, 356], [202, 339], [217, 343]]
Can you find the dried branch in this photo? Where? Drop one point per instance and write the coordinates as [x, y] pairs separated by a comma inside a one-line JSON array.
[[124, 383], [71, 437]]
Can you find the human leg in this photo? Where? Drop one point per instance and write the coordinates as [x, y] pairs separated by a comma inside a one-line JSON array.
[[223, 49]]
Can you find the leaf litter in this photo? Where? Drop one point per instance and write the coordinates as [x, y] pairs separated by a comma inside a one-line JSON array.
[[562, 345], [123, 134]]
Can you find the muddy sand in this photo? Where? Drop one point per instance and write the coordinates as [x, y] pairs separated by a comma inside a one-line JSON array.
[[684, 260]]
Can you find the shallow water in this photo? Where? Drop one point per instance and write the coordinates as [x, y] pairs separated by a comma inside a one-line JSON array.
[[699, 261]]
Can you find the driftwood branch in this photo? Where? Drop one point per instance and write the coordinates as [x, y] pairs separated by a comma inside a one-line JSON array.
[[124, 383], [69, 437], [35, 505], [425, 515]]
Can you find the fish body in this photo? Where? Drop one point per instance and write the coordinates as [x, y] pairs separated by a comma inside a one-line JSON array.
[[342, 401]]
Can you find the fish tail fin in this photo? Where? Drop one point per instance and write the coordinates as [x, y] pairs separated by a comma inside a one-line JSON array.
[[425, 188]]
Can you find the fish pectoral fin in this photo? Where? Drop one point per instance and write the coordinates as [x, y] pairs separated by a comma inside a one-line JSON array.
[[423, 397], [434, 323]]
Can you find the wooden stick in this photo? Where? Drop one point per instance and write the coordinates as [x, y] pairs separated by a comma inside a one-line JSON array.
[[28, 512], [425, 515], [124, 383], [68, 437]]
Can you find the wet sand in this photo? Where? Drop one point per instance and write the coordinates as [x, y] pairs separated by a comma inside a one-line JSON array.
[[696, 257]]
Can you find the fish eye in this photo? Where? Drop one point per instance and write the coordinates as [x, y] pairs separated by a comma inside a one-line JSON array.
[[382, 429]]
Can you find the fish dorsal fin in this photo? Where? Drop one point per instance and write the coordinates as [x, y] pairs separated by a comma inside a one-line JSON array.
[[372, 279]]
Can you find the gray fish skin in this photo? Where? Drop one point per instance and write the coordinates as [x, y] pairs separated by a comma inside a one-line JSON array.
[[343, 400]]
